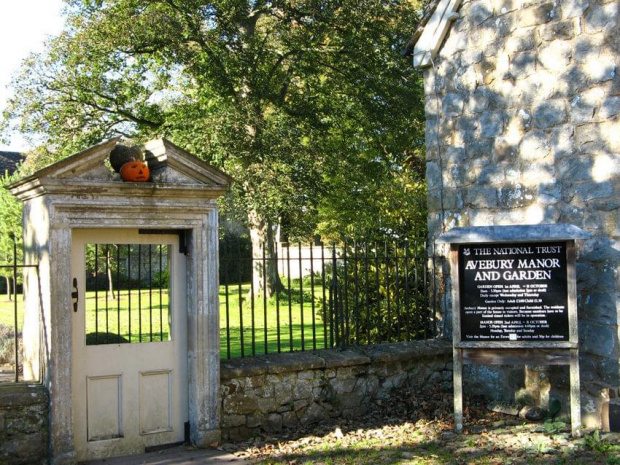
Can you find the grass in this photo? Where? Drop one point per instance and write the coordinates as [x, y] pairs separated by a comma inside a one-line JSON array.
[[276, 323], [107, 319], [285, 322], [7, 311]]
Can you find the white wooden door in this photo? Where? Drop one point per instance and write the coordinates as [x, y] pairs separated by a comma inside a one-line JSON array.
[[129, 374]]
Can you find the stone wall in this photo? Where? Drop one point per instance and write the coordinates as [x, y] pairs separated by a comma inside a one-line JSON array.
[[269, 393], [523, 127], [24, 427]]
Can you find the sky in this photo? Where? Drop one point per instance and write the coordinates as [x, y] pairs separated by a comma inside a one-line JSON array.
[[24, 26]]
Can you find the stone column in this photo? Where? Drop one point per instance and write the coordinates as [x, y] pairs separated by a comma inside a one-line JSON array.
[[204, 408]]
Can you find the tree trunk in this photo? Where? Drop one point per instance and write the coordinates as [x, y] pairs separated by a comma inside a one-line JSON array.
[[108, 261], [265, 277], [8, 288]]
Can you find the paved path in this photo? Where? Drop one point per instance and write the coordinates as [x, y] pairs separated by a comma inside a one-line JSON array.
[[180, 455]]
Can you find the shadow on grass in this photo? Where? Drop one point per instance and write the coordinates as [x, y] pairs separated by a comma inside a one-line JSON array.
[[272, 340]]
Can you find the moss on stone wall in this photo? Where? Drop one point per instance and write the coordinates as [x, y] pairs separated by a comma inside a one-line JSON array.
[[24, 427]]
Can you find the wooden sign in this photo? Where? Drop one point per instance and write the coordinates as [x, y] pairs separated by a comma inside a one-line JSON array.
[[513, 292], [514, 298]]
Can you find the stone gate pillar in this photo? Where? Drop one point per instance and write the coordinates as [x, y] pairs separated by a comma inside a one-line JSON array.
[[81, 191]]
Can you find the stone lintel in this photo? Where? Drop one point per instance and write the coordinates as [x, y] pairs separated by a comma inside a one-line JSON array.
[[513, 233], [34, 188]]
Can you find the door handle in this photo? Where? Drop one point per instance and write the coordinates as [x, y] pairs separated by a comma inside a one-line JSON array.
[[75, 295]]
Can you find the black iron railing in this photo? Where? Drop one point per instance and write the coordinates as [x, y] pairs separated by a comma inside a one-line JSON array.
[[15, 269], [357, 292], [354, 293], [127, 293]]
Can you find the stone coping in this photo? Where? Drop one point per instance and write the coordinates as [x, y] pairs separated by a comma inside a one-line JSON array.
[[513, 233], [333, 358], [17, 394]]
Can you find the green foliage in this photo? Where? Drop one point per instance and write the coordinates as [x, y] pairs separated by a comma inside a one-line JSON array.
[[7, 343], [595, 443], [378, 293], [10, 229], [235, 257], [393, 204], [113, 259], [554, 426], [307, 104], [162, 279], [11, 224]]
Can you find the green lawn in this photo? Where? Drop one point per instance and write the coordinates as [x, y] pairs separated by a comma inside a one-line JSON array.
[[284, 316], [106, 318], [7, 311], [288, 309]]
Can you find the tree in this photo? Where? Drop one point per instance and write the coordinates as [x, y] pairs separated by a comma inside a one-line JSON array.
[[392, 204], [10, 233], [274, 92], [103, 263]]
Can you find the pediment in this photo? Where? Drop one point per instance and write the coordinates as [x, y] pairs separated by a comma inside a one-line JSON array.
[[170, 167], [171, 164]]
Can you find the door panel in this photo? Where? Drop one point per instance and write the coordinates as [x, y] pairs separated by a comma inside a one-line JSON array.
[[155, 401], [104, 407], [129, 342]]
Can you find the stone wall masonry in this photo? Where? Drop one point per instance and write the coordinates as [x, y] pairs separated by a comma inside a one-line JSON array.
[[523, 127], [24, 426], [273, 392]]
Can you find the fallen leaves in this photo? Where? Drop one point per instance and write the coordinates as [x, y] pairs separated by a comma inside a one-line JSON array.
[[407, 430]]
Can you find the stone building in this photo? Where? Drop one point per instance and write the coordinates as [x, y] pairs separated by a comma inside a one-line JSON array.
[[523, 127]]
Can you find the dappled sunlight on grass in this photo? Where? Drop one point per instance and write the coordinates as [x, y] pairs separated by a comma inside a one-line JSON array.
[[287, 339], [111, 318], [433, 442]]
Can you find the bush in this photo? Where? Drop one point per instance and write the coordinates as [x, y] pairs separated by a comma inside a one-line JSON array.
[[104, 338], [380, 295], [7, 344]]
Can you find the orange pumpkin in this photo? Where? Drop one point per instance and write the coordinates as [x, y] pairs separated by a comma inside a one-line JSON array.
[[135, 171]]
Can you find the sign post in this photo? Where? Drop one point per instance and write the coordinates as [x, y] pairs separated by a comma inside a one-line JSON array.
[[515, 301]]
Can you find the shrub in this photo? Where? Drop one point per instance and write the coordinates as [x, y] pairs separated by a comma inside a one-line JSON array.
[[104, 338], [379, 293], [7, 344]]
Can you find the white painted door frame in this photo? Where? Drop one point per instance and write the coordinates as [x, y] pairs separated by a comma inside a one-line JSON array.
[[127, 397], [200, 226]]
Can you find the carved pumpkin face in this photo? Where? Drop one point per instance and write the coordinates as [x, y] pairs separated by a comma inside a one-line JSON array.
[[135, 171]]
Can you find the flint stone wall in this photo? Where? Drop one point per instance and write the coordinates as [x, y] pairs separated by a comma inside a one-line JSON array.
[[270, 393], [523, 127], [24, 426]]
